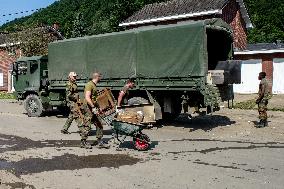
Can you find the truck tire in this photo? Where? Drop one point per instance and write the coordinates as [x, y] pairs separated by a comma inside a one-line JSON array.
[[33, 106], [137, 101]]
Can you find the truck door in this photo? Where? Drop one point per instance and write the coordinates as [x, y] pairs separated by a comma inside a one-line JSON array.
[[20, 72]]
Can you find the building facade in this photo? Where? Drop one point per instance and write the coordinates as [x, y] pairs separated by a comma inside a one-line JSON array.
[[266, 57]]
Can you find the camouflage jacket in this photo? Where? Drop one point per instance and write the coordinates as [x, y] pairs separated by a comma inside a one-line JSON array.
[[72, 94], [263, 84]]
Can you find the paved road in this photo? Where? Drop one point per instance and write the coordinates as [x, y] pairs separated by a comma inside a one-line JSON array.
[[222, 151]]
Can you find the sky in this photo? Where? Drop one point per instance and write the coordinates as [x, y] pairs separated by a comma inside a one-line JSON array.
[[16, 6]]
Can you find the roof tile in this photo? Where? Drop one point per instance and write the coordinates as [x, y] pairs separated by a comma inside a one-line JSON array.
[[175, 7]]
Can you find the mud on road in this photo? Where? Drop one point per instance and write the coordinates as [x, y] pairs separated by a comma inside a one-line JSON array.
[[220, 151]]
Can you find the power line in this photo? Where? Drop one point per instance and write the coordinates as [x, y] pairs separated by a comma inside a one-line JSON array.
[[21, 12], [17, 14]]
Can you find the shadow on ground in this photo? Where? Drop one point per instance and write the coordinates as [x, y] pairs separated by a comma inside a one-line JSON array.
[[67, 162], [206, 122]]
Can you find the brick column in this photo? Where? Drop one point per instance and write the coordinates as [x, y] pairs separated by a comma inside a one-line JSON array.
[[267, 66]]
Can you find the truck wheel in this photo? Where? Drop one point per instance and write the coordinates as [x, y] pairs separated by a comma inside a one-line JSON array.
[[137, 101], [33, 106]]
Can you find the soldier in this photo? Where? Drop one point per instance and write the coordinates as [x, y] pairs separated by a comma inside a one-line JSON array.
[[262, 100], [124, 92], [91, 110], [184, 102], [72, 97]]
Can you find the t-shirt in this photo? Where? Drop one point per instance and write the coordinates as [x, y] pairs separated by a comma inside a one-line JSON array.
[[91, 86], [125, 89]]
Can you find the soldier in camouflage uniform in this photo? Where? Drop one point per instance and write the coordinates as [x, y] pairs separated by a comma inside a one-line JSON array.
[[91, 110], [262, 100], [72, 97]]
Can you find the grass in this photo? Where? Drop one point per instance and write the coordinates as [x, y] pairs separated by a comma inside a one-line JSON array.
[[251, 105], [4, 95], [276, 109], [246, 105]]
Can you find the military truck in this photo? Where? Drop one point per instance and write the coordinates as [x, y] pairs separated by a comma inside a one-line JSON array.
[[166, 62]]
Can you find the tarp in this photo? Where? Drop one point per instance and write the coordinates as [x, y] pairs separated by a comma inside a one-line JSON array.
[[178, 50]]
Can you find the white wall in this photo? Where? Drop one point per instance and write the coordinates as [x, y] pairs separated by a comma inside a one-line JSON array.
[[1, 80], [278, 76], [249, 74]]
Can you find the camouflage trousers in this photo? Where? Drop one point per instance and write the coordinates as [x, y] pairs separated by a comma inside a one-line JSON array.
[[71, 117], [262, 109], [84, 128], [89, 119], [69, 121]]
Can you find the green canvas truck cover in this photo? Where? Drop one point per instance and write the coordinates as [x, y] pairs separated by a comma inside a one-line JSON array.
[[178, 50]]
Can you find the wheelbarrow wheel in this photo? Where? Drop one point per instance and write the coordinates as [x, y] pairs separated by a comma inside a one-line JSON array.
[[141, 142]]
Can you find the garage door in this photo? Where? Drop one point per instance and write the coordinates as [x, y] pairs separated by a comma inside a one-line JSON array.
[[278, 79], [250, 70]]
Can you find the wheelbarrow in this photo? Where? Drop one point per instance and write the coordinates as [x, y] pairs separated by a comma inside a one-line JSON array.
[[141, 141], [126, 125]]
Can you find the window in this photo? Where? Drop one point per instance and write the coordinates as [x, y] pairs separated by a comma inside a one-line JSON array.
[[22, 67], [33, 66]]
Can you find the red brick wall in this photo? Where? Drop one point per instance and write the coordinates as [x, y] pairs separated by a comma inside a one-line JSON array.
[[267, 66], [232, 15], [5, 61]]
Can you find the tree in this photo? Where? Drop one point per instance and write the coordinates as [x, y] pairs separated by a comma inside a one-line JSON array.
[[79, 27], [96, 16], [32, 42], [267, 18]]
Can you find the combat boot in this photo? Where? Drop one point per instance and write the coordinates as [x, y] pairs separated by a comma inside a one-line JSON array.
[[260, 124], [85, 144], [102, 144], [265, 123], [63, 131]]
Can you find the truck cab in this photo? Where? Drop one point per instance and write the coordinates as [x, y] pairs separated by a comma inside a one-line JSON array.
[[30, 81]]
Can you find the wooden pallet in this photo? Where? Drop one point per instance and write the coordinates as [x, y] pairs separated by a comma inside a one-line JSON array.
[[106, 101]]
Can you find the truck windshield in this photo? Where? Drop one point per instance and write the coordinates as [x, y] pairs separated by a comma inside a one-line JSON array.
[[21, 68]]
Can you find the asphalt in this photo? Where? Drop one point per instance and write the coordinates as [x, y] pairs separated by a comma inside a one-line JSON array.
[[220, 151]]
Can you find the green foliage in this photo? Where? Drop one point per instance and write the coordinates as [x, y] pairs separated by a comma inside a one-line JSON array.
[[4, 95], [79, 26], [96, 16], [268, 19]]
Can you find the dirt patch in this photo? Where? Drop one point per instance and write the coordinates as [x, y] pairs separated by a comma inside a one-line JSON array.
[[67, 162], [18, 185]]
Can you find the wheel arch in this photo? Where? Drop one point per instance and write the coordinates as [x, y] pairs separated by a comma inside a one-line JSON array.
[[29, 92]]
